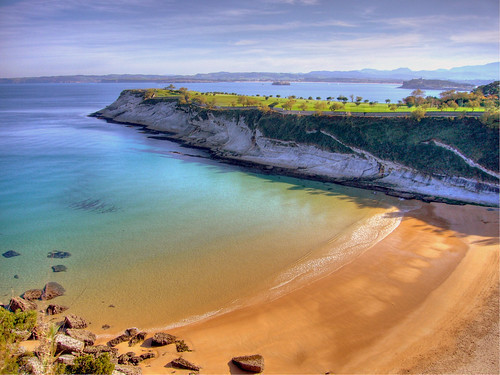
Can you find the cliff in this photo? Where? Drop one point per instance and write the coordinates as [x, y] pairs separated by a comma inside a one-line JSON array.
[[380, 154]]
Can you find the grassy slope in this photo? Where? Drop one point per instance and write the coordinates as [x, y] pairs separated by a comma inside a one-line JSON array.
[[231, 100], [397, 139]]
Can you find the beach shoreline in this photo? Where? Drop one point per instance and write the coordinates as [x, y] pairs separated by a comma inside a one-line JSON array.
[[425, 294]]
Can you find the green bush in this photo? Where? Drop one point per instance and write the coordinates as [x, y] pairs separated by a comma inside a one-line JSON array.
[[11, 327], [87, 364]]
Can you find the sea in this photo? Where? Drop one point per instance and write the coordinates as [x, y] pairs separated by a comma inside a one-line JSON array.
[[161, 235]]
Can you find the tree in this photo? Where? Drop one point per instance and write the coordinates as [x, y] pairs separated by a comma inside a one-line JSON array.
[[342, 98], [358, 100], [418, 114], [149, 94], [170, 87], [352, 97], [320, 107], [288, 105], [336, 106], [417, 93], [393, 107], [388, 101], [303, 106], [473, 104]]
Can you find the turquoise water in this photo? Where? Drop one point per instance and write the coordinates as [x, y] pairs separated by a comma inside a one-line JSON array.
[[156, 230]]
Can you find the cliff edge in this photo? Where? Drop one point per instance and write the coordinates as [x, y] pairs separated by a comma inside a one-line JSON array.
[[450, 160]]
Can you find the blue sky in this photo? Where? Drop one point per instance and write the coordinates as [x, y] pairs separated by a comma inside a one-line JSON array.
[[60, 37]]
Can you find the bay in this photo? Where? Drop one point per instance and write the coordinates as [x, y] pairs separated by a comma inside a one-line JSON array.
[[159, 233]]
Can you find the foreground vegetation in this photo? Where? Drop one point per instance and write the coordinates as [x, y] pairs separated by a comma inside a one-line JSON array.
[[18, 326]]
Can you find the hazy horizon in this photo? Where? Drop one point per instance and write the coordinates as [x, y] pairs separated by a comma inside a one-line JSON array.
[[47, 38]]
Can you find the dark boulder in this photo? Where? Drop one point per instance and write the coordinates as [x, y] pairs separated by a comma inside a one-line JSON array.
[[83, 335], [59, 268], [56, 309], [131, 331], [32, 294], [139, 337], [52, 290], [18, 303], [181, 346], [147, 355], [252, 363], [10, 254], [74, 321], [183, 364], [117, 340], [124, 359], [58, 254], [162, 338]]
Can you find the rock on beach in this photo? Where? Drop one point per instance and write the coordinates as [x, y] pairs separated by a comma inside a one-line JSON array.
[[74, 321], [252, 363], [18, 303], [163, 338]]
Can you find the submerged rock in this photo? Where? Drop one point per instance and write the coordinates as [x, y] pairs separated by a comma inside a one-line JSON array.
[[32, 294], [58, 254], [83, 335], [74, 321], [252, 363], [163, 338], [183, 364], [10, 254], [56, 309], [59, 268], [52, 290], [18, 303]]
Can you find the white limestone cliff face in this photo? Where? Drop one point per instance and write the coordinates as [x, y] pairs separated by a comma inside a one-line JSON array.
[[233, 139]]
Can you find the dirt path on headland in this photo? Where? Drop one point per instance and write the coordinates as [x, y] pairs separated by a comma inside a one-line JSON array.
[[423, 300]]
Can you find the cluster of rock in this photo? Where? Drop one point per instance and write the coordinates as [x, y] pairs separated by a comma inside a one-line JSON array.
[[74, 340], [26, 301]]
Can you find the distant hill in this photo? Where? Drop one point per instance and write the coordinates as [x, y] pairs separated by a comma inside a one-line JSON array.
[[435, 84], [475, 75]]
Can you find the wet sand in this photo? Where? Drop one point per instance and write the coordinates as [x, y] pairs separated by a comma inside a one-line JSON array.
[[423, 300]]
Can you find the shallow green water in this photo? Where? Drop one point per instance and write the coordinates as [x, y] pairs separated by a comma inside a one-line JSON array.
[[157, 230]]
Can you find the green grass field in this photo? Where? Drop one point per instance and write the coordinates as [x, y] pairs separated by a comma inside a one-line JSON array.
[[299, 105]]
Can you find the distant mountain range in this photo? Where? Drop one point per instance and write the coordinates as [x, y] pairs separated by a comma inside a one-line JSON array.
[[473, 74]]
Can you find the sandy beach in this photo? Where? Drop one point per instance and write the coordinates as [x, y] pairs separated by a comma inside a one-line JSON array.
[[422, 300]]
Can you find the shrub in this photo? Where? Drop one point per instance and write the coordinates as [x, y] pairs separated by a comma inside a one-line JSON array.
[[87, 364], [12, 326]]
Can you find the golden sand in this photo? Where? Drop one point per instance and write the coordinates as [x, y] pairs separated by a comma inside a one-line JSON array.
[[422, 300]]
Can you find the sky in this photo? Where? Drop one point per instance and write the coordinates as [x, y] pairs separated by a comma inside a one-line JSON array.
[[66, 37]]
